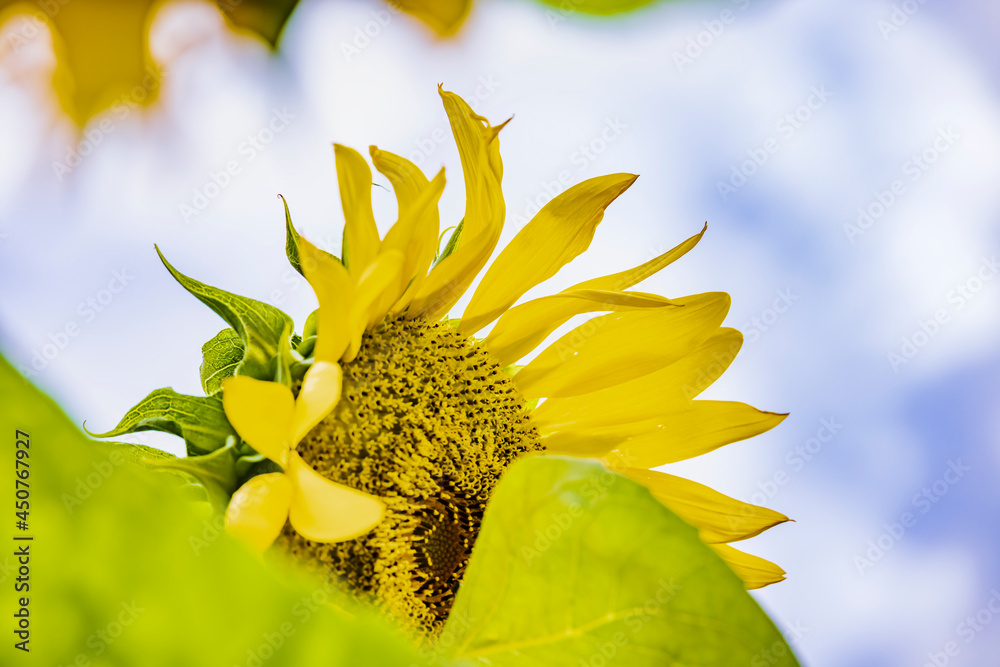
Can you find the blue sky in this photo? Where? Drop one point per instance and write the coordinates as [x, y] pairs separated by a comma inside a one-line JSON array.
[[834, 111]]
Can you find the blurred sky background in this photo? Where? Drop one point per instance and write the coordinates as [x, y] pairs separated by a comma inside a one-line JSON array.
[[873, 442]]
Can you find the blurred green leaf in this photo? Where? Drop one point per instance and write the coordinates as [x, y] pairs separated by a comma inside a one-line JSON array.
[[576, 565], [215, 471], [200, 420], [219, 359], [123, 573], [599, 7], [259, 325]]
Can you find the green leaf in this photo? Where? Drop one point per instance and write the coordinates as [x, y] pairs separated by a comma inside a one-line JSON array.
[[186, 485], [122, 572], [215, 471], [599, 7], [139, 454], [200, 420], [220, 357], [574, 562], [258, 324]]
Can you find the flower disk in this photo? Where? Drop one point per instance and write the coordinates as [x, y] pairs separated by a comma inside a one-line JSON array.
[[428, 421]]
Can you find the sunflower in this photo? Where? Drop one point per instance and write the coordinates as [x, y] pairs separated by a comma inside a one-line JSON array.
[[386, 425]]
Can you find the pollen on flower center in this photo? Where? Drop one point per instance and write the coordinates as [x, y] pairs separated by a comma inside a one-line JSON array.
[[428, 421]]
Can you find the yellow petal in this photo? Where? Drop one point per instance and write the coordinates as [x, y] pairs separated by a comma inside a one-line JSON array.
[[407, 180], [318, 395], [717, 517], [324, 511], [261, 412], [484, 210], [415, 236], [626, 279], [561, 231], [444, 16], [698, 428], [376, 291], [448, 281], [753, 570], [522, 328], [258, 510], [334, 289], [646, 396], [619, 347], [354, 178]]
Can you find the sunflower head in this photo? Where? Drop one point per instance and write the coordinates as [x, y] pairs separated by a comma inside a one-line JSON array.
[[368, 445]]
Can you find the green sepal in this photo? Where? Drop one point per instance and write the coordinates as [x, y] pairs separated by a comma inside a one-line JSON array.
[[284, 360], [261, 467], [258, 324], [452, 243], [215, 471], [308, 343], [220, 357], [291, 240], [200, 420], [344, 249], [245, 464]]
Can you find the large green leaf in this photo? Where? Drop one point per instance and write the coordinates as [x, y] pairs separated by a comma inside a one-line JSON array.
[[220, 357], [122, 573], [576, 565], [200, 420], [259, 325]]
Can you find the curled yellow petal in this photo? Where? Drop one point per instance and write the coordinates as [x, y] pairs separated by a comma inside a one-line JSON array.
[[484, 210], [718, 517], [334, 290], [522, 328], [324, 511], [407, 180], [318, 395], [258, 510], [647, 396], [262, 413], [354, 178], [561, 231], [753, 570], [619, 347]]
